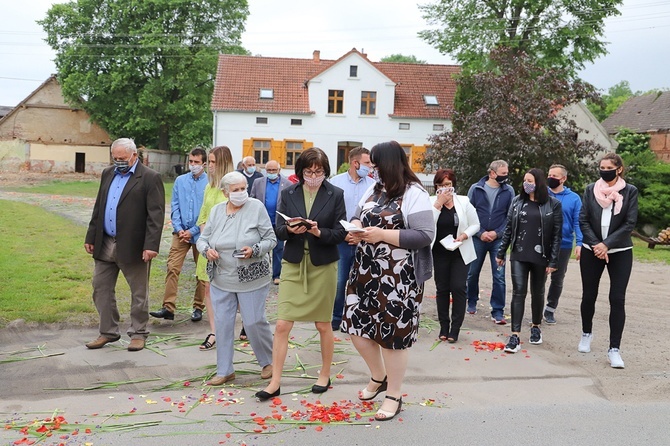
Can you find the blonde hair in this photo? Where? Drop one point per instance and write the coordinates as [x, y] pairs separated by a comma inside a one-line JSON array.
[[223, 164]]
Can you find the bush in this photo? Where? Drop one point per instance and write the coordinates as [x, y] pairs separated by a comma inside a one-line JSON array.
[[343, 168], [653, 183]]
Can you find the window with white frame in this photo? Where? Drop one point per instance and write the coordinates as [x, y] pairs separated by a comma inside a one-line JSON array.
[[438, 127], [430, 99], [403, 126], [261, 120], [267, 93]]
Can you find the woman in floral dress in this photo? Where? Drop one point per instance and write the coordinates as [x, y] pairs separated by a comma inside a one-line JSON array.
[[392, 262]]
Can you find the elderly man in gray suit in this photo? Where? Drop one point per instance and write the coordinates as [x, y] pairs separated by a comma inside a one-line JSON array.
[[268, 190]]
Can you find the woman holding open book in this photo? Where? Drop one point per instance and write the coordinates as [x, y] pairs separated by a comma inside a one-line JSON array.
[[456, 222], [308, 278]]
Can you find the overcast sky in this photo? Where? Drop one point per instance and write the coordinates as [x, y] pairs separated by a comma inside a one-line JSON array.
[[638, 39]]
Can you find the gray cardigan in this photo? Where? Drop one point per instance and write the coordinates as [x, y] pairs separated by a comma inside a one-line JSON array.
[[250, 226]]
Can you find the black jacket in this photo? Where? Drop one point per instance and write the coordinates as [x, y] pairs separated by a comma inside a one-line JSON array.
[[552, 227], [327, 210], [621, 225]]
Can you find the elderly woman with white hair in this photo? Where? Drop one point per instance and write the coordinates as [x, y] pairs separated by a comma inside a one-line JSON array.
[[236, 241]]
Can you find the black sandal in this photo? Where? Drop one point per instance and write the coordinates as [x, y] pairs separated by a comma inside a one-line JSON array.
[[383, 415], [206, 345], [366, 395]]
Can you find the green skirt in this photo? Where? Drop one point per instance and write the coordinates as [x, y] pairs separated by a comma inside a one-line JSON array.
[[306, 292]]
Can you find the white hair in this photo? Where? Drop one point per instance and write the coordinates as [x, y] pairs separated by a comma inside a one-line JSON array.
[[126, 143], [231, 178]]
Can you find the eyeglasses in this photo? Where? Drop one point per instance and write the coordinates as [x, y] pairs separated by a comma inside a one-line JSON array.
[[311, 173]]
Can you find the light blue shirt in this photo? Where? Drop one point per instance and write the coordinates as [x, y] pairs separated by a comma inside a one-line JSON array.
[[114, 196], [187, 195], [353, 191]]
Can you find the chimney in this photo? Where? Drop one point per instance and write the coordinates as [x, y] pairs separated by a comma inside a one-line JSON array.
[[316, 56]]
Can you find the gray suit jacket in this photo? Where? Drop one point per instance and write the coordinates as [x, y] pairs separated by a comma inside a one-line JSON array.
[[258, 189]]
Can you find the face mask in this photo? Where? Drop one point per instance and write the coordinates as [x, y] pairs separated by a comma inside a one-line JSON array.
[[363, 171], [251, 170], [446, 190], [122, 165], [608, 175], [502, 179], [377, 177], [314, 182], [529, 188], [553, 183], [273, 176], [238, 198], [196, 168]]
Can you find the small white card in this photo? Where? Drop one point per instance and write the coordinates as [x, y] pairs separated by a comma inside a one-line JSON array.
[[350, 227], [449, 243]]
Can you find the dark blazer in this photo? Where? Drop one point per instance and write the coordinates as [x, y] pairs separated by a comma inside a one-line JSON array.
[[551, 229], [260, 184], [250, 179], [139, 215], [621, 225], [327, 210]]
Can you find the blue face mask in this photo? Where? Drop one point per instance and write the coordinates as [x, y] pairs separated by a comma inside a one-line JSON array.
[[251, 170], [363, 171], [273, 176]]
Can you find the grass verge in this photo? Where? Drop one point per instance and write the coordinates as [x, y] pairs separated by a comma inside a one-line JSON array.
[[82, 188]]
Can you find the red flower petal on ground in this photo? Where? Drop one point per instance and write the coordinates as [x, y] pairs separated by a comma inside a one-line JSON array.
[[187, 383], [41, 429], [318, 428], [276, 401]]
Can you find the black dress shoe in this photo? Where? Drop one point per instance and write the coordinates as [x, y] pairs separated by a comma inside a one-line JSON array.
[[264, 396], [163, 313], [196, 316], [320, 389]]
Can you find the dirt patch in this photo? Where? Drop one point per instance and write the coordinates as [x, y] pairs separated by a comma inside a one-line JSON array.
[[13, 179]]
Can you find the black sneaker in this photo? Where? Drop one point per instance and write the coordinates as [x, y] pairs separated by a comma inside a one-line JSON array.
[[513, 345], [535, 335], [549, 317], [196, 316]]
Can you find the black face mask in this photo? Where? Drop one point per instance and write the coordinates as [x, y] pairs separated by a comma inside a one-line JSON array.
[[608, 175], [502, 179], [553, 183]]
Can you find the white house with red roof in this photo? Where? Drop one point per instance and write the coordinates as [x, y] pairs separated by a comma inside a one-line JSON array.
[[274, 108]]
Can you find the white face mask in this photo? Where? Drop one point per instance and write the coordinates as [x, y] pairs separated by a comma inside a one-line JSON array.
[[238, 198], [196, 169]]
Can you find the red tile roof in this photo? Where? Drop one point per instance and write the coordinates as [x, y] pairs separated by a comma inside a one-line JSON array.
[[240, 78]]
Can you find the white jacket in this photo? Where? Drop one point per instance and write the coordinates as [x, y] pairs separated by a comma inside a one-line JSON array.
[[468, 223]]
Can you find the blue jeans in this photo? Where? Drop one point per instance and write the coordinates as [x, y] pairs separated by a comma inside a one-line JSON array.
[[344, 265], [277, 254], [498, 288]]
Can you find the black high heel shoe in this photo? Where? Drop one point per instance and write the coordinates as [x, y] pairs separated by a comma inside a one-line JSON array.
[[383, 415], [264, 396], [320, 389], [366, 395]]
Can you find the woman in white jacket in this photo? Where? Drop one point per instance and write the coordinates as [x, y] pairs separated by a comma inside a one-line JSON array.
[[455, 217]]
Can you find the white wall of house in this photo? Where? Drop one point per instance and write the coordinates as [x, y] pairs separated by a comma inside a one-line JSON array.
[[591, 129]]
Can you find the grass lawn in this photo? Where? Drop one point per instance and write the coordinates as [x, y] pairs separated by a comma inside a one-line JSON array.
[[46, 274], [642, 253], [75, 188]]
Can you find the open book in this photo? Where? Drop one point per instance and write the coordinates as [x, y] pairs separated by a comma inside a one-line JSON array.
[[449, 243], [350, 227], [295, 221]]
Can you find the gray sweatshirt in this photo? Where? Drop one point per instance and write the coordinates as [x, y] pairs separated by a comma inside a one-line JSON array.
[[249, 226]]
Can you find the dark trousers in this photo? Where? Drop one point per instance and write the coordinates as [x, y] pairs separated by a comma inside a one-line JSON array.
[[520, 274], [556, 285], [344, 265], [450, 281], [618, 268]]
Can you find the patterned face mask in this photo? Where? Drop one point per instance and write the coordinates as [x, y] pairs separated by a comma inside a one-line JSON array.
[[314, 181], [377, 177], [529, 188]]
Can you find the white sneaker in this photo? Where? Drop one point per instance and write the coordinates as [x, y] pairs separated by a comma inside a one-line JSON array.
[[585, 343], [615, 358]]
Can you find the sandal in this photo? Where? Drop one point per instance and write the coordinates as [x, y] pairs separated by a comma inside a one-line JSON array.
[[366, 395], [243, 334], [383, 415], [207, 345]]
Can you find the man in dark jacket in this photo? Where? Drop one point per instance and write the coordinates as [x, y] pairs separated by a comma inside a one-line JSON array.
[[124, 235], [491, 196]]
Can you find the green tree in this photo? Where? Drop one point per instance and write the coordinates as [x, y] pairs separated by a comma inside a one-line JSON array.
[[616, 95], [556, 33], [512, 113], [145, 69], [401, 58]]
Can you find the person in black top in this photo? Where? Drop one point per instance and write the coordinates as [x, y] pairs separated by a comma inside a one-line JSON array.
[[533, 231]]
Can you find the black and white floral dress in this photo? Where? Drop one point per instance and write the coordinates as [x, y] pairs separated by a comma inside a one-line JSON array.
[[383, 296]]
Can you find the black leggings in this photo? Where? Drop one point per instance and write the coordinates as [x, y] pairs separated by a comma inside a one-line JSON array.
[[618, 268], [538, 277], [450, 275]]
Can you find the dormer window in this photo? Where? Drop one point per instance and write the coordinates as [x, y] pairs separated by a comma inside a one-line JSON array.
[[267, 93], [353, 70], [430, 99]]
